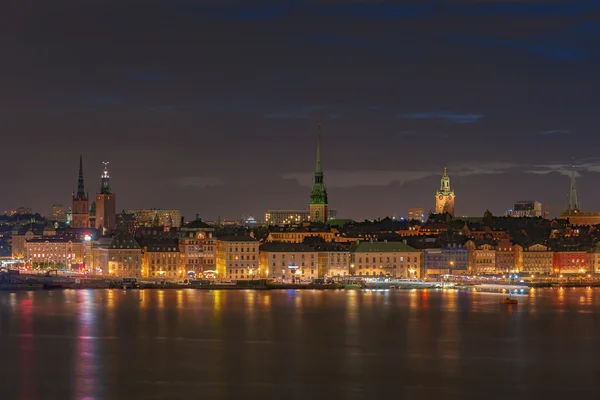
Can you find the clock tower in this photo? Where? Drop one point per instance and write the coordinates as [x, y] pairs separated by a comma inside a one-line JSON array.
[[319, 207], [444, 197]]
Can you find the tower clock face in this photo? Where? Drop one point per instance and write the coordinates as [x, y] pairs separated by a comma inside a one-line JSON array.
[[441, 197]]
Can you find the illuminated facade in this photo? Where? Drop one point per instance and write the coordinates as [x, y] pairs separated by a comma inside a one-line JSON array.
[[571, 262], [319, 204], [393, 259], [416, 214], [334, 263], [289, 261], [106, 213], [238, 258], [482, 257], [537, 259], [55, 252], [286, 217], [58, 213], [298, 236], [527, 209], [80, 212], [160, 258], [121, 256], [444, 197], [18, 242], [197, 247]]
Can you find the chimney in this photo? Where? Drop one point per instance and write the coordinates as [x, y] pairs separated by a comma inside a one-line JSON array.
[[182, 221], [198, 217]]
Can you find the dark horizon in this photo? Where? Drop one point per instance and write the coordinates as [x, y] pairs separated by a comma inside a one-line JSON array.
[[212, 108]]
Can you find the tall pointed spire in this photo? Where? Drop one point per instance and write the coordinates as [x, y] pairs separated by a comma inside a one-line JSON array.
[[319, 209], [80, 185], [573, 196], [319, 168]]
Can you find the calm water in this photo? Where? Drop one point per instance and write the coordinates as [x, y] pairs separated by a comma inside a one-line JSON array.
[[189, 344]]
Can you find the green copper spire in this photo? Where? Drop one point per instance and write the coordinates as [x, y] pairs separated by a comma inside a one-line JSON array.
[[318, 195]]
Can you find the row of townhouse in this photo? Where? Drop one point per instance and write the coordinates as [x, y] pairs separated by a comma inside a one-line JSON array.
[[241, 257]]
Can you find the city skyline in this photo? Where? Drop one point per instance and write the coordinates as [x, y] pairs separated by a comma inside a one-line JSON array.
[[219, 105]]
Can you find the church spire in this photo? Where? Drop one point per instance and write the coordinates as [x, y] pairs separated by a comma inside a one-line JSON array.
[[573, 196], [80, 185], [319, 169]]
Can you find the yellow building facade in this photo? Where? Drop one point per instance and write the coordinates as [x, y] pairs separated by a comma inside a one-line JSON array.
[[238, 258], [393, 259]]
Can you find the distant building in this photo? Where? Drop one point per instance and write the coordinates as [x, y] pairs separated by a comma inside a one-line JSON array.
[[153, 216], [286, 217], [297, 235], [416, 214], [319, 204], [24, 211], [106, 213], [291, 217], [444, 197], [237, 258], [529, 209], [58, 213], [393, 259], [81, 212], [334, 260]]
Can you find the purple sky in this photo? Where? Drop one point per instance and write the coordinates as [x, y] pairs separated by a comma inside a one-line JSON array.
[[211, 106]]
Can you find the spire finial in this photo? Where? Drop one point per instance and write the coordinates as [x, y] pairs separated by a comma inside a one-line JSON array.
[[105, 189], [80, 184], [319, 167], [573, 195]]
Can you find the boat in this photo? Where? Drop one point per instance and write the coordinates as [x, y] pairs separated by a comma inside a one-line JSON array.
[[508, 300]]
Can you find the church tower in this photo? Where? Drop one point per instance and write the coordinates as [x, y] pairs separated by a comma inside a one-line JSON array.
[[106, 210], [80, 210], [444, 197], [319, 208]]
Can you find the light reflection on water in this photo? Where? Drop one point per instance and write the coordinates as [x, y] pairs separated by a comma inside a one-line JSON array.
[[167, 344]]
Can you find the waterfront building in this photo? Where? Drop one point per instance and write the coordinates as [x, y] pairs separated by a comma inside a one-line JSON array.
[[538, 259], [392, 259], [55, 252], [80, 211], [319, 204], [507, 255], [237, 258], [19, 237], [416, 214], [568, 261], [154, 217], [288, 261], [444, 197], [334, 260], [594, 258], [58, 213], [482, 257], [106, 213], [450, 259], [528, 209], [197, 247], [119, 256], [160, 258]]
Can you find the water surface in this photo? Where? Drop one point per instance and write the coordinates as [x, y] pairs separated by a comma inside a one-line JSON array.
[[193, 344]]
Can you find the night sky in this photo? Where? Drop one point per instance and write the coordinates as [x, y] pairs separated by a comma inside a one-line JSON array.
[[211, 106]]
